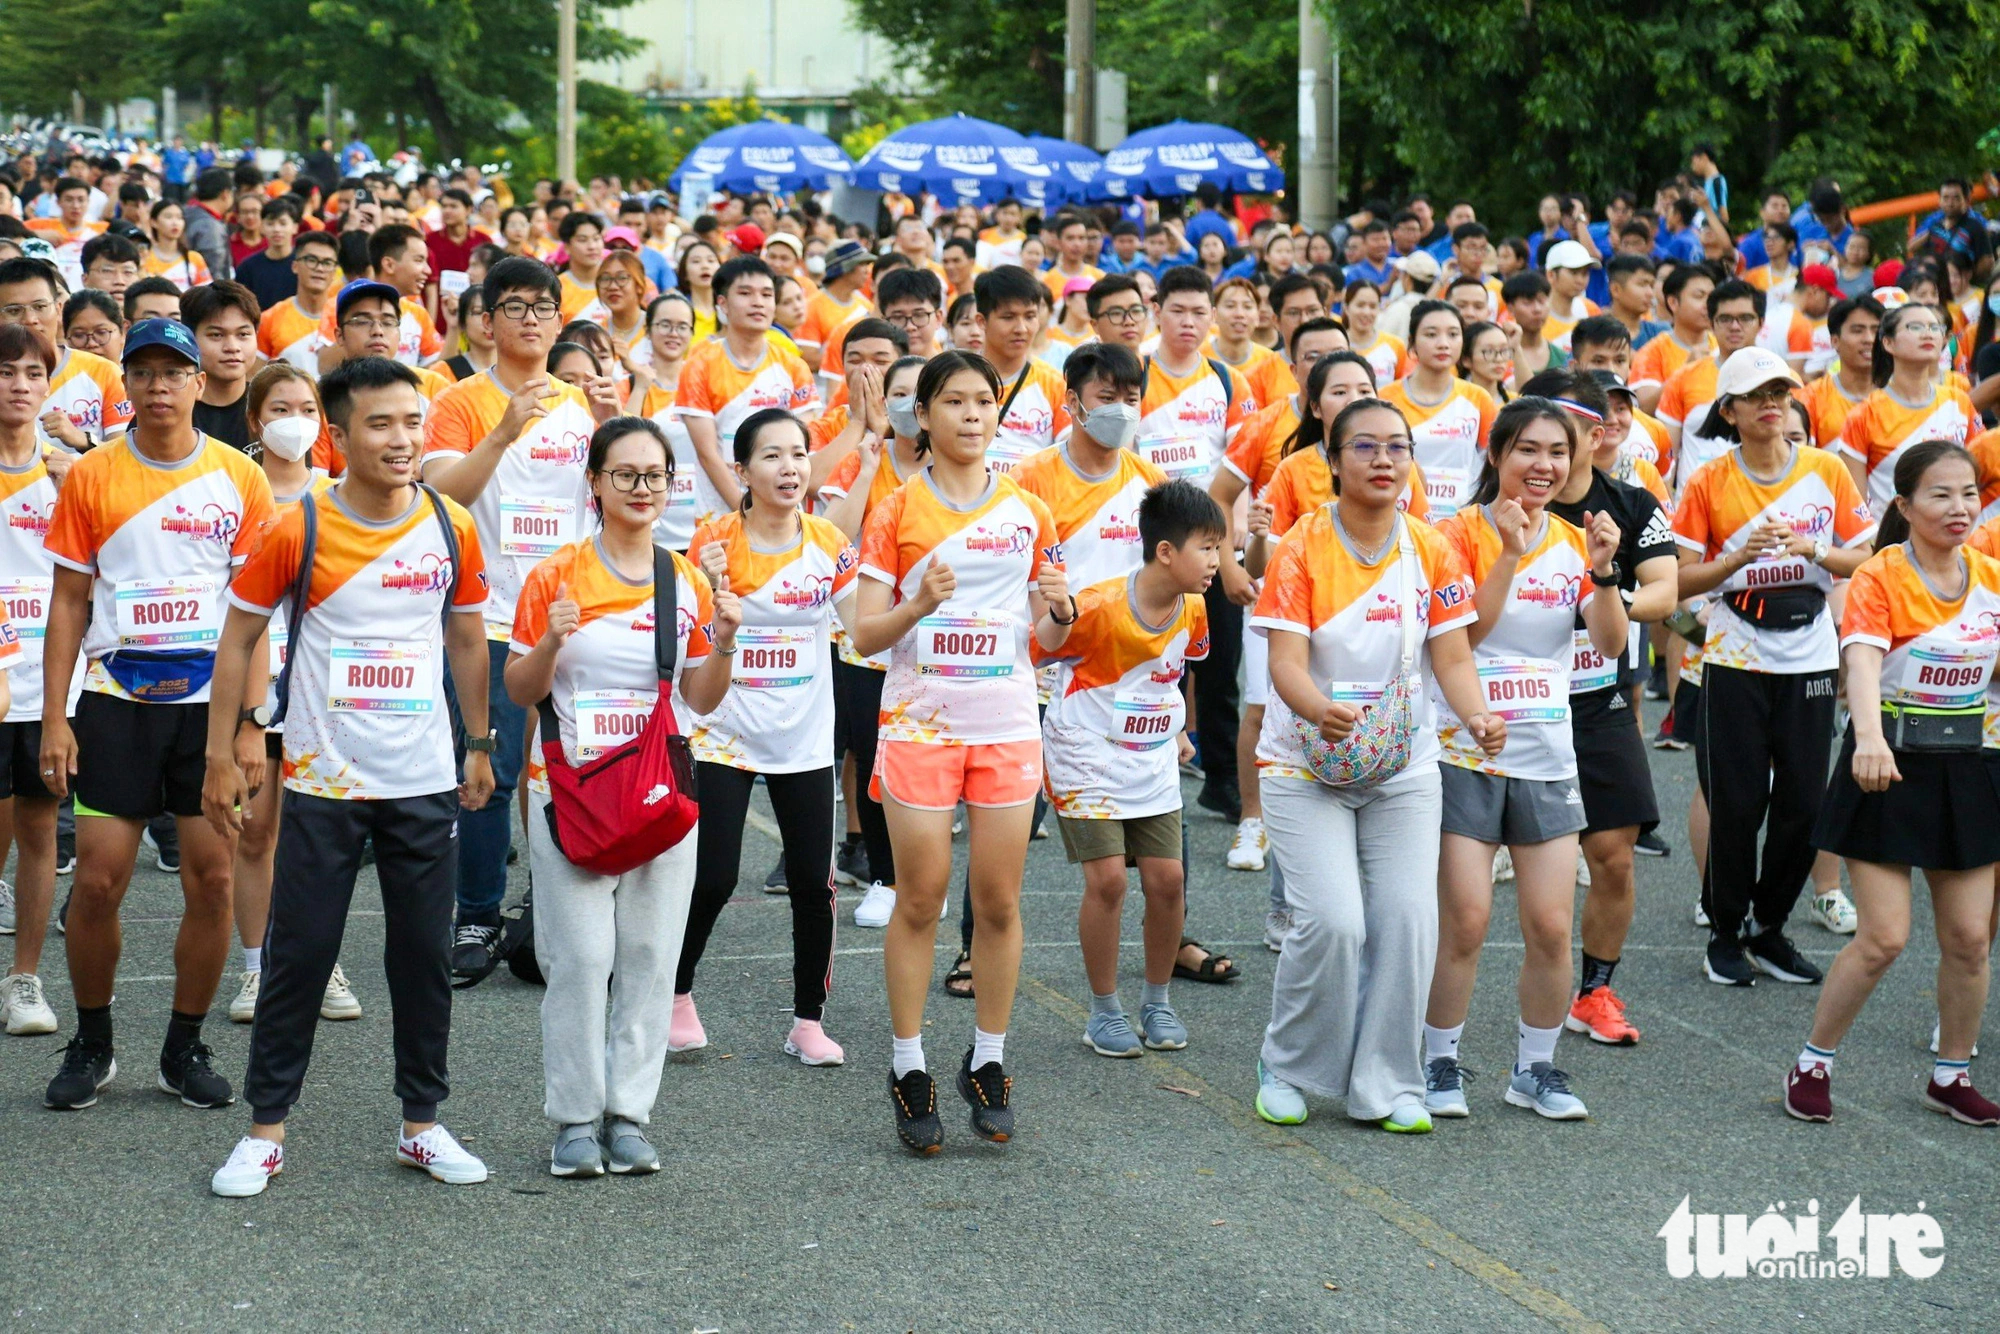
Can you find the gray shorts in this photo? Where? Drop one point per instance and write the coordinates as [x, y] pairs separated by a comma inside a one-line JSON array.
[[1514, 811]]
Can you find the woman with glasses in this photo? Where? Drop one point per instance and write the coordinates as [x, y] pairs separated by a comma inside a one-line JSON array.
[[93, 322], [1487, 359], [621, 286], [1910, 403], [170, 256]]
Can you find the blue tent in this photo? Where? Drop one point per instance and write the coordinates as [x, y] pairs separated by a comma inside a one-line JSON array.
[[1176, 158], [771, 156], [960, 159]]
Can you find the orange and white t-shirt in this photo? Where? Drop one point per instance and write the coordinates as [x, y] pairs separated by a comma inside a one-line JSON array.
[[1387, 357], [1647, 439], [1352, 615], [887, 477], [580, 302], [1685, 404], [1187, 422], [90, 390], [367, 718], [1828, 406], [1302, 483], [713, 386], [607, 680], [160, 540], [692, 497], [1449, 439], [1254, 455], [538, 500], [1034, 420], [278, 633], [1097, 516], [1816, 498], [287, 333], [1877, 433], [187, 270], [1937, 654], [1985, 450], [824, 314], [1556, 328], [1797, 337], [1267, 374], [962, 675], [27, 581], [1055, 279], [778, 715], [1108, 740], [1664, 355], [417, 340], [68, 243], [1525, 659]]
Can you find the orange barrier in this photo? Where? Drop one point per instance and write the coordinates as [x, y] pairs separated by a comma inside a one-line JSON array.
[[1910, 206]]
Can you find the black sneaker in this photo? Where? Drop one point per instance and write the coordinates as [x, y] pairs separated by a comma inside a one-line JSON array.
[[188, 1075], [1664, 739], [472, 956], [774, 883], [914, 1097], [986, 1090], [66, 855], [850, 864], [1650, 844], [62, 917], [1727, 964], [86, 1068], [163, 836], [1225, 802], [1656, 682], [1773, 953]]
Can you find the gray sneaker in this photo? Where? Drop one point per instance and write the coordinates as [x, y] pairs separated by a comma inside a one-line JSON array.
[[627, 1148], [1163, 1028], [575, 1153], [6, 909], [1444, 1088], [1277, 922], [1110, 1034], [1545, 1090]]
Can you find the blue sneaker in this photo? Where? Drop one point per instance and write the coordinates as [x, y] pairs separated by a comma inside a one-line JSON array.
[[1110, 1034], [1546, 1089], [1278, 1102], [1409, 1119], [1444, 1087], [1163, 1028]]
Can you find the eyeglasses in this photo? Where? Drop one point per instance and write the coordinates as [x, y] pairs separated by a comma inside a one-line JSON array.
[[912, 319], [678, 327], [1765, 395], [517, 309], [369, 323], [317, 263], [1122, 314], [15, 314], [1736, 321], [174, 377], [605, 280], [1492, 353], [87, 338], [1907, 326], [1369, 450], [625, 479]]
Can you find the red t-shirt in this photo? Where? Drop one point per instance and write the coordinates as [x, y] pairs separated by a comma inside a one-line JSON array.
[[449, 256]]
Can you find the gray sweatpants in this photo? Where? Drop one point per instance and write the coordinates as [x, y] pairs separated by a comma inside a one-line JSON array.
[[1360, 875], [599, 937]]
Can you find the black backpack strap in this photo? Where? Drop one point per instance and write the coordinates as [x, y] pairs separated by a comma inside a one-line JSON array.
[[450, 547], [1019, 382], [1228, 384], [666, 612], [301, 589]]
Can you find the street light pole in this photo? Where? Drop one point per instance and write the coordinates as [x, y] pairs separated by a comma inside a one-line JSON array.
[[566, 91], [1319, 135], [1080, 73]]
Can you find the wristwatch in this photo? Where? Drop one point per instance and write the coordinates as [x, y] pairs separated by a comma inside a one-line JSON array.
[[1607, 580], [1820, 548], [482, 743], [259, 716]]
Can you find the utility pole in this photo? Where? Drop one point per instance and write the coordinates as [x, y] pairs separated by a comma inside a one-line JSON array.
[[566, 92], [1319, 134], [1080, 73]]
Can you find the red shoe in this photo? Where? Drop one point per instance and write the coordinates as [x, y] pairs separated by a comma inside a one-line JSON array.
[[1962, 1102], [1602, 1015], [1809, 1093]]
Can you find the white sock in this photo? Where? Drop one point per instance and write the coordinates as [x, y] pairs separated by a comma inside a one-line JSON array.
[[1944, 1072], [1813, 1056], [986, 1047], [905, 1055], [1537, 1044], [1441, 1042], [253, 960]]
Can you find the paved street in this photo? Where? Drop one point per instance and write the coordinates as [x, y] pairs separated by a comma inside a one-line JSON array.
[[1140, 1195]]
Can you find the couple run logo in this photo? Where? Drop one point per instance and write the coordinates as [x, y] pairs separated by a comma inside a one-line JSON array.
[[1780, 1245]]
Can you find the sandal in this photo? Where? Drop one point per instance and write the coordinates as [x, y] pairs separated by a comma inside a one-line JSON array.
[[958, 982], [1213, 967]]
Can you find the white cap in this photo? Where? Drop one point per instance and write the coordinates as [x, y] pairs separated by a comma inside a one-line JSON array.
[[1568, 255], [1419, 264], [1751, 368]]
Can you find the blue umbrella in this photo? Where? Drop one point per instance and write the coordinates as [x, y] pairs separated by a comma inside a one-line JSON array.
[[771, 156], [960, 159], [1175, 158], [1076, 171]]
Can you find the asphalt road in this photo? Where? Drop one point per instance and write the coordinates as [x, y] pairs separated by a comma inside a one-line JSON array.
[[1139, 1195]]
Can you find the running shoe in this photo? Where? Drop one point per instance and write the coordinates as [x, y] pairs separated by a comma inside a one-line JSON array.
[[774, 883], [914, 1097], [86, 1068], [1544, 1090], [252, 1164], [1774, 954], [166, 846], [339, 1001], [1601, 1014], [1409, 1119], [809, 1042], [23, 1006], [1809, 1093], [1834, 911], [1109, 1033], [1665, 739], [1656, 681], [65, 854], [1246, 850], [1650, 844], [684, 1030], [1503, 864], [243, 1008], [576, 1152], [1728, 964], [988, 1091], [1278, 1102], [1701, 914], [1277, 924], [472, 950], [1937, 1033], [1162, 1028], [877, 906], [850, 864], [1582, 871], [62, 917], [189, 1075], [1191, 768], [1444, 1087], [6, 909], [437, 1153], [627, 1151], [1961, 1102]]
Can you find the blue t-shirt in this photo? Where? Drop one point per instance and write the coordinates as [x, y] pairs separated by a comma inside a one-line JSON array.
[[1648, 331], [1538, 242], [658, 271], [1362, 271], [1206, 221]]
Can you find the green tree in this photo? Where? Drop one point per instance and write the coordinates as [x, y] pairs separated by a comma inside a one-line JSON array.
[[93, 47]]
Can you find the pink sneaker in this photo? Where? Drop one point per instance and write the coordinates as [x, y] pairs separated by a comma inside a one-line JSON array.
[[684, 1031], [809, 1042]]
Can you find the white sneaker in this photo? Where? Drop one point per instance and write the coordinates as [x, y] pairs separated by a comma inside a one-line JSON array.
[[1834, 911], [244, 1008], [1700, 914], [252, 1164], [1246, 850], [339, 1001], [1503, 864], [6, 909], [26, 1010], [1277, 922], [1582, 871], [1937, 1031], [436, 1152], [877, 906]]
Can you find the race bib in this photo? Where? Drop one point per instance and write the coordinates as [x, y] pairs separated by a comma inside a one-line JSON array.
[[1442, 488], [1008, 452], [680, 493], [281, 642], [775, 659], [607, 719], [966, 646], [174, 613], [1354, 692], [535, 529], [381, 676], [1590, 670], [27, 602], [1525, 690], [1180, 457], [1945, 676], [1145, 720]]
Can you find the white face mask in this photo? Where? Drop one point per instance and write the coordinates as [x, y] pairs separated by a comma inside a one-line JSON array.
[[815, 265], [290, 438], [903, 416], [1112, 425]]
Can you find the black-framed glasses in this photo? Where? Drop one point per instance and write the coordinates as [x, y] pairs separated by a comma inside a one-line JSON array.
[[626, 479], [682, 328], [1122, 314], [514, 308], [317, 263]]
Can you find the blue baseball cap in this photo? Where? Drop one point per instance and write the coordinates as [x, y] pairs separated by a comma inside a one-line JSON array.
[[169, 334], [364, 287]]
